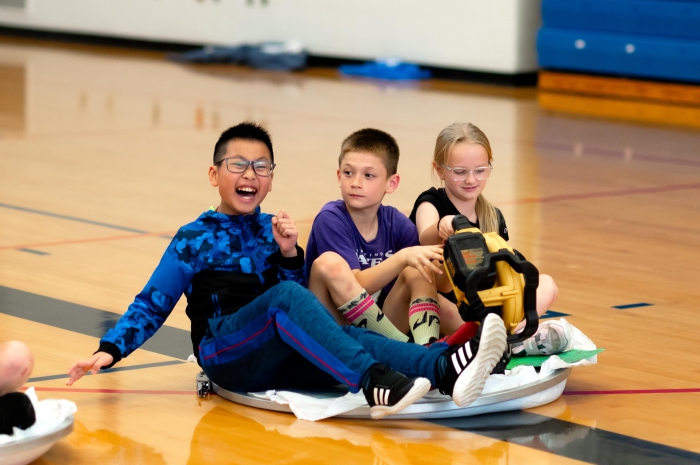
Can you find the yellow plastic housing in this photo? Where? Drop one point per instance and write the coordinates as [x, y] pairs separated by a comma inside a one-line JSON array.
[[508, 290]]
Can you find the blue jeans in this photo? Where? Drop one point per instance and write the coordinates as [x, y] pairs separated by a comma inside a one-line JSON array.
[[286, 338]]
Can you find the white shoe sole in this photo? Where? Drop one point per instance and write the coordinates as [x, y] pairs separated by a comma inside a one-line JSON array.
[[420, 388], [470, 382]]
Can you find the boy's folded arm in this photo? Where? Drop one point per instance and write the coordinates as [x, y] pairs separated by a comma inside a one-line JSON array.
[[421, 258], [375, 278], [294, 262], [292, 268]]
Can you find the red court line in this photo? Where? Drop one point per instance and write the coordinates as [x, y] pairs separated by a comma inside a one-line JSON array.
[[554, 198], [193, 393], [115, 391], [632, 391], [590, 195], [84, 241]]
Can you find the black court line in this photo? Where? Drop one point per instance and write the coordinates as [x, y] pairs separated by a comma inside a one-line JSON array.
[[108, 370], [625, 307], [571, 440], [552, 314], [71, 218], [540, 432], [94, 322], [36, 252]]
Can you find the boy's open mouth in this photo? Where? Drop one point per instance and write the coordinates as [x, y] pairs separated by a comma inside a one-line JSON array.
[[246, 192]]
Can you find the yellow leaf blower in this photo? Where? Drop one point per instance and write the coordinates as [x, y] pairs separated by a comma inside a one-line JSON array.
[[488, 276]]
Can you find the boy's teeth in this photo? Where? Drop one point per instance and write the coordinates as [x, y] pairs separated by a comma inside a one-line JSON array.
[[246, 191]]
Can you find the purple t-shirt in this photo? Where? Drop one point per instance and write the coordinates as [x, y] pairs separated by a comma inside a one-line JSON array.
[[334, 231]]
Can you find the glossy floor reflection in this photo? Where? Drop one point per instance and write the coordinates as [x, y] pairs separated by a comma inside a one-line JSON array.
[[100, 446], [296, 441], [104, 154]]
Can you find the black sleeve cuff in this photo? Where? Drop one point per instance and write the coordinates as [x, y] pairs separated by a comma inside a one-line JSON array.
[[292, 263], [112, 350]]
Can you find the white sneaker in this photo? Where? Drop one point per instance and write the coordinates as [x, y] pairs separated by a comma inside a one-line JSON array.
[[469, 365]]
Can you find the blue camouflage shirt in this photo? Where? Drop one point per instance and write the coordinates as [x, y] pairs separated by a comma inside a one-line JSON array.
[[220, 262]]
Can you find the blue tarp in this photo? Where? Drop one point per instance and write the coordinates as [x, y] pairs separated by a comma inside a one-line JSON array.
[[272, 56]]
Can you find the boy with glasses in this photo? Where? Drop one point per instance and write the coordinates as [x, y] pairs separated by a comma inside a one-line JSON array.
[[254, 326]]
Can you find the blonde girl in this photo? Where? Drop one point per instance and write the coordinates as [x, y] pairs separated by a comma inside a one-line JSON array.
[[463, 162]]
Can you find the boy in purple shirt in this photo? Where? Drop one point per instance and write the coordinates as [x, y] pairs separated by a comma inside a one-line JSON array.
[[364, 258]]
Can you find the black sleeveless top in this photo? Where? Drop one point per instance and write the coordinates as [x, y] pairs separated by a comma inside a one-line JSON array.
[[444, 206]]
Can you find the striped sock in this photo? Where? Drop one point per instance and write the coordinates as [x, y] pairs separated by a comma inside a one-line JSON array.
[[362, 311], [424, 320]]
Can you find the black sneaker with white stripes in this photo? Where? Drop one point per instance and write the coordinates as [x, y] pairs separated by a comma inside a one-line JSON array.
[[388, 392], [463, 370], [502, 365]]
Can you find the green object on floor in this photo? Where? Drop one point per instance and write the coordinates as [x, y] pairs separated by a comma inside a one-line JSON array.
[[570, 356]]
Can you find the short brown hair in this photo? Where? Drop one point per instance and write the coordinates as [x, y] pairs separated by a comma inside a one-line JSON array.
[[376, 142]]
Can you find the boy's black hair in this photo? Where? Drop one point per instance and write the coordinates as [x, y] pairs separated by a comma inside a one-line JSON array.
[[246, 130], [376, 142]]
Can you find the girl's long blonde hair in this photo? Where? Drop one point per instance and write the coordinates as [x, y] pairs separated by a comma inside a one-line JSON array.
[[468, 133]]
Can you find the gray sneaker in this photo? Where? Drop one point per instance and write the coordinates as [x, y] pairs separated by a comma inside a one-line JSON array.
[[550, 338]]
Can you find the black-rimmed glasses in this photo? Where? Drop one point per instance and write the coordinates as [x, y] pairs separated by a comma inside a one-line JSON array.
[[240, 165]]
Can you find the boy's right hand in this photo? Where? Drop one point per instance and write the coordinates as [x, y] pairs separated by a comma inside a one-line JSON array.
[[92, 364], [421, 257]]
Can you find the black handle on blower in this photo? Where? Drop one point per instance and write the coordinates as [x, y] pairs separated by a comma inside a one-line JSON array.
[[476, 306], [476, 310]]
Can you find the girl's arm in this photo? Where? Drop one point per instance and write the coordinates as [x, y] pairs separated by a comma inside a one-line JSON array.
[[427, 219]]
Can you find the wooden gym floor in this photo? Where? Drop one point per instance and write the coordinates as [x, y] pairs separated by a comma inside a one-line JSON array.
[[104, 154]]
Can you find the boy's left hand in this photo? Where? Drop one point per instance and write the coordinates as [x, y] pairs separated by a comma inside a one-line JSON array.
[[285, 231]]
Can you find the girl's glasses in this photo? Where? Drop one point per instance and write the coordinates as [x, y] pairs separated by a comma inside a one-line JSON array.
[[460, 174]]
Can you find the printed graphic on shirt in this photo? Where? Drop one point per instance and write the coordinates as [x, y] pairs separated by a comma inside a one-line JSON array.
[[372, 259]]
